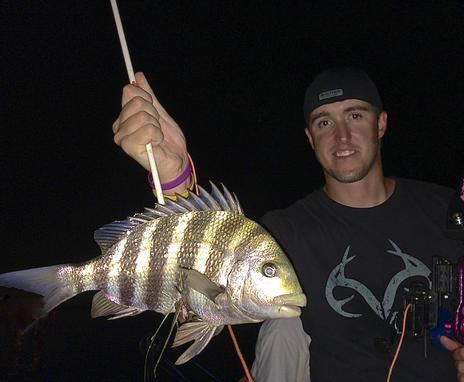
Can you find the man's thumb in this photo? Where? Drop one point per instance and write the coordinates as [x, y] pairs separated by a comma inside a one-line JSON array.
[[449, 344], [142, 82]]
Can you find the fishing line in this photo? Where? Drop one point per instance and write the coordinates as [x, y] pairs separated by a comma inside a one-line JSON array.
[[171, 329], [170, 369], [152, 341]]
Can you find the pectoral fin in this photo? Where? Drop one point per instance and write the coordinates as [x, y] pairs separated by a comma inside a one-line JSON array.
[[202, 284], [102, 306], [197, 331]]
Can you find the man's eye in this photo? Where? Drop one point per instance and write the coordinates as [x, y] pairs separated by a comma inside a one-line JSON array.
[[323, 123], [356, 116]]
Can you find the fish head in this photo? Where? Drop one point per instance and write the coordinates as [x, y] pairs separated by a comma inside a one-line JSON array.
[[262, 283]]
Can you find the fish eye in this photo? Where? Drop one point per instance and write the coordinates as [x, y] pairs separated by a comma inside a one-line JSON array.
[[269, 270]]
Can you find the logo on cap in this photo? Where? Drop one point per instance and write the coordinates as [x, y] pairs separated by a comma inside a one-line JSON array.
[[330, 94]]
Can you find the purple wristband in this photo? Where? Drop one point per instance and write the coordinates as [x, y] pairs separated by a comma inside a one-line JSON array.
[[173, 183]]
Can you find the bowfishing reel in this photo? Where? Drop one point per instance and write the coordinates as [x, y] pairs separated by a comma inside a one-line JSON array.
[[439, 310]]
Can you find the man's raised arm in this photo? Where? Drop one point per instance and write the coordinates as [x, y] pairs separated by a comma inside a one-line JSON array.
[[144, 120]]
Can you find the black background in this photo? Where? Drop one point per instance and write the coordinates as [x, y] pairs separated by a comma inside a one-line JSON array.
[[233, 75]]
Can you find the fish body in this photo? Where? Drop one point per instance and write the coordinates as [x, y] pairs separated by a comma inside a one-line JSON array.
[[199, 253]]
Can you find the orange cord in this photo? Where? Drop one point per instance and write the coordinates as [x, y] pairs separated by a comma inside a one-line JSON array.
[[240, 355], [195, 182], [229, 327], [403, 331]]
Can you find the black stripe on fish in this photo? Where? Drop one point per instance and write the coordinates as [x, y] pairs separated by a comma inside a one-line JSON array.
[[194, 234], [156, 296], [238, 230], [126, 280], [189, 229]]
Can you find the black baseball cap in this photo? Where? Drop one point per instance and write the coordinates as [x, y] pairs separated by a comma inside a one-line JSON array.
[[339, 84]]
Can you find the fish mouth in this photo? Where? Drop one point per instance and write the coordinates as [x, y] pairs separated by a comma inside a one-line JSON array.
[[289, 311], [289, 304]]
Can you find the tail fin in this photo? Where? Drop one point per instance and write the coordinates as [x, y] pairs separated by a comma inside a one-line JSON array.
[[43, 281]]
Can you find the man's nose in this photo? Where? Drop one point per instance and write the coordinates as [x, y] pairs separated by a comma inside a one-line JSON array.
[[342, 132]]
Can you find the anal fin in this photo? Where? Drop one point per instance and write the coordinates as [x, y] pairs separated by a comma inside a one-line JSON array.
[[102, 306], [197, 331]]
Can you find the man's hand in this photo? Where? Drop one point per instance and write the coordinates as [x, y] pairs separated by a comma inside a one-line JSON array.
[[458, 355], [144, 120]]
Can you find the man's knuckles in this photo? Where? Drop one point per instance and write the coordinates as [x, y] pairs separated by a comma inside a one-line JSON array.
[[460, 367], [130, 143], [458, 355], [144, 118]]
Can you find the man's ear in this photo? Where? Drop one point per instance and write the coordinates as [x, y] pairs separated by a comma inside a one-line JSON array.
[[310, 138], [382, 124]]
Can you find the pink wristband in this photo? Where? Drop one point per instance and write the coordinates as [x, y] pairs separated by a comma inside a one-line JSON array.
[[173, 183]]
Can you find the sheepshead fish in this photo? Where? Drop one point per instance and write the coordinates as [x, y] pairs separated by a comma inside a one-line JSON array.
[[198, 254]]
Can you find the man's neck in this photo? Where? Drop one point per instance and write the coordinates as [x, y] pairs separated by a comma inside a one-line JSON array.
[[368, 192]]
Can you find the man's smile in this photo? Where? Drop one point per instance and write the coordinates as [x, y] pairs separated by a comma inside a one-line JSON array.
[[344, 153]]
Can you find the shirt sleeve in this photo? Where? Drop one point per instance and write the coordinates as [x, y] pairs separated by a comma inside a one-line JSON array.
[[282, 352]]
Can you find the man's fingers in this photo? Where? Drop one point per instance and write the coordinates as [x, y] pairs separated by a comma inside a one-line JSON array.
[[135, 122], [136, 106], [115, 126], [449, 344], [458, 355], [143, 84], [458, 352], [133, 143], [130, 91], [460, 367], [140, 121]]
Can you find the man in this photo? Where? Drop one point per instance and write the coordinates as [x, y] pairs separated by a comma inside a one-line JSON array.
[[356, 243]]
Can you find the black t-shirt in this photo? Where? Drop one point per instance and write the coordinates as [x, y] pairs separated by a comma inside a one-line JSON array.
[[353, 264]]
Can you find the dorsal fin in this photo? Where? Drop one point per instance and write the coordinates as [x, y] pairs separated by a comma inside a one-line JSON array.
[[110, 233], [209, 199], [219, 197], [214, 201]]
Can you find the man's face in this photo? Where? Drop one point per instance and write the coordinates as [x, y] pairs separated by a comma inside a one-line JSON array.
[[345, 137]]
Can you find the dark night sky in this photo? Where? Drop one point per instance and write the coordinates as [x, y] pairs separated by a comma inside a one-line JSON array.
[[233, 75]]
